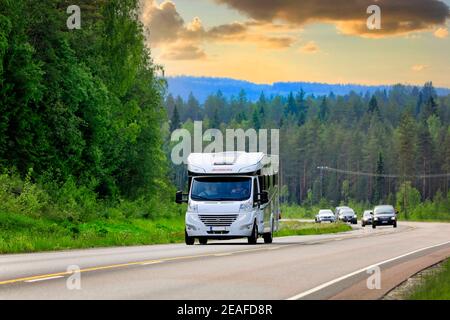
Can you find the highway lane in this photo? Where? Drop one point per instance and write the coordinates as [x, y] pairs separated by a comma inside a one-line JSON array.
[[319, 267]]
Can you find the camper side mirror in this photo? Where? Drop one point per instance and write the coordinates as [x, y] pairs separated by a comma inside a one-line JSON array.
[[264, 197], [179, 197]]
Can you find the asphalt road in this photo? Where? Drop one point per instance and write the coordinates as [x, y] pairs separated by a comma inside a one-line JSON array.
[[306, 267]]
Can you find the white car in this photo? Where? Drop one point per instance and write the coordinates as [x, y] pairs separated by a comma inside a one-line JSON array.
[[325, 215]]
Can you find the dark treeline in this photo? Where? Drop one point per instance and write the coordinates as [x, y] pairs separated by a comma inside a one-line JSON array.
[[403, 131], [83, 106]]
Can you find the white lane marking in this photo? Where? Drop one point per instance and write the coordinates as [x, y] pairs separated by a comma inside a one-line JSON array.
[[151, 262], [329, 283], [44, 279]]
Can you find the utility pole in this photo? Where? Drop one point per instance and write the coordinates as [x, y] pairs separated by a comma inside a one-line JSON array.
[[321, 168]]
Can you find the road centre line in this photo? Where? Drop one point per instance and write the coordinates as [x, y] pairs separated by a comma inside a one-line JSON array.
[[45, 279]]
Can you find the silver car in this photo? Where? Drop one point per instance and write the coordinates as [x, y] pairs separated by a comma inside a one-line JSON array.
[[325, 215], [367, 218]]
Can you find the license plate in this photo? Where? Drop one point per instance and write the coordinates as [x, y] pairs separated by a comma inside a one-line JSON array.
[[384, 221], [219, 228]]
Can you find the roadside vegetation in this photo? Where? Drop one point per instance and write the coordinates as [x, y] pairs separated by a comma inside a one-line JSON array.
[[435, 286], [34, 218], [436, 210], [297, 228]]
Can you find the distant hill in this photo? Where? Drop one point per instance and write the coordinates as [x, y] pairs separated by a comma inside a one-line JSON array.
[[201, 87]]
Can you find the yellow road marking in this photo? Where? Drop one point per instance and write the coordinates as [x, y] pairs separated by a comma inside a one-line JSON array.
[[43, 279], [223, 254], [151, 262], [116, 266]]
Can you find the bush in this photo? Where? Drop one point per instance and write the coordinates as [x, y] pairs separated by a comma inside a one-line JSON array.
[[22, 196]]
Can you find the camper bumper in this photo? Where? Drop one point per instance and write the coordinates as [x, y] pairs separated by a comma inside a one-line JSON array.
[[219, 225]]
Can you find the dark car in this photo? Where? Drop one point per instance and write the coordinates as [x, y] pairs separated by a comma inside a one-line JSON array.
[[384, 215], [348, 215], [367, 218]]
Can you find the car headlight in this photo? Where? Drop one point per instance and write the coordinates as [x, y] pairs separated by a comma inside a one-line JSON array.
[[192, 207], [392, 218], [246, 207], [376, 219]]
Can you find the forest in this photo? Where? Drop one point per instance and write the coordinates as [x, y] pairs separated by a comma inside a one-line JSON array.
[[80, 128], [372, 148]]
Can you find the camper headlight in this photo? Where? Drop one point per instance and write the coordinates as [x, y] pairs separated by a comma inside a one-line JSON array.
[[192, 207], [246, 207]]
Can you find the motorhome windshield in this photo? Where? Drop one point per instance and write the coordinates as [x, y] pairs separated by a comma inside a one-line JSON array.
[[221, 189]]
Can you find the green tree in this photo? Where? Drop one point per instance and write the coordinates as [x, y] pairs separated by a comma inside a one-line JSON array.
[[380, 180], [408, 198], [175, 121]]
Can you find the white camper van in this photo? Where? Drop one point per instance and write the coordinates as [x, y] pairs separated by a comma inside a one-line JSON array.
[[231, 195]]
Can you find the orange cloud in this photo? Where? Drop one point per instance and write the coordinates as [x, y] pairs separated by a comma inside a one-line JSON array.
[[441, 33], [184, 52], [419, 67], [311, 47]]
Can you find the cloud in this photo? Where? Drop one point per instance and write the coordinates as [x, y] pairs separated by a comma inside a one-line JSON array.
[[311, 47], [419, 67], [441, 33], [398, 16], [166, 29], [162, 22], [184, 52]]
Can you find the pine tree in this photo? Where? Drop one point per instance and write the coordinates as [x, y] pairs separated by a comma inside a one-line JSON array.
[[379, 181], [256, 120], [373, 105], [175, 121], [323, 110], [406, 148]]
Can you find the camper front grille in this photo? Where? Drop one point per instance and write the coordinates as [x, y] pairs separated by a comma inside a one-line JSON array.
[[223, 220]]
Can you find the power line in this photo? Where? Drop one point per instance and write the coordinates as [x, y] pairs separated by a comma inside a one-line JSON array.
[[367, 174]]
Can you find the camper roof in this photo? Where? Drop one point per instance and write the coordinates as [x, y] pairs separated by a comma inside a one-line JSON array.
[[226, 162]]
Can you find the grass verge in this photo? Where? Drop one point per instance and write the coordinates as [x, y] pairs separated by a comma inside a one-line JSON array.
[[435, 286], [297, 228], [20, 233]]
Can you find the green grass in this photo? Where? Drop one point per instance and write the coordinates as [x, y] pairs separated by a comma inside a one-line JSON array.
[[435, 286], [20, 233], [296, 228]]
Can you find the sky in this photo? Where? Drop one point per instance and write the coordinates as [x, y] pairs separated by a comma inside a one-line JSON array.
[[266, 41]]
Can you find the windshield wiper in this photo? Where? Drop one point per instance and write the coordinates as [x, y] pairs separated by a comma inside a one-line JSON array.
[[199, 198]]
